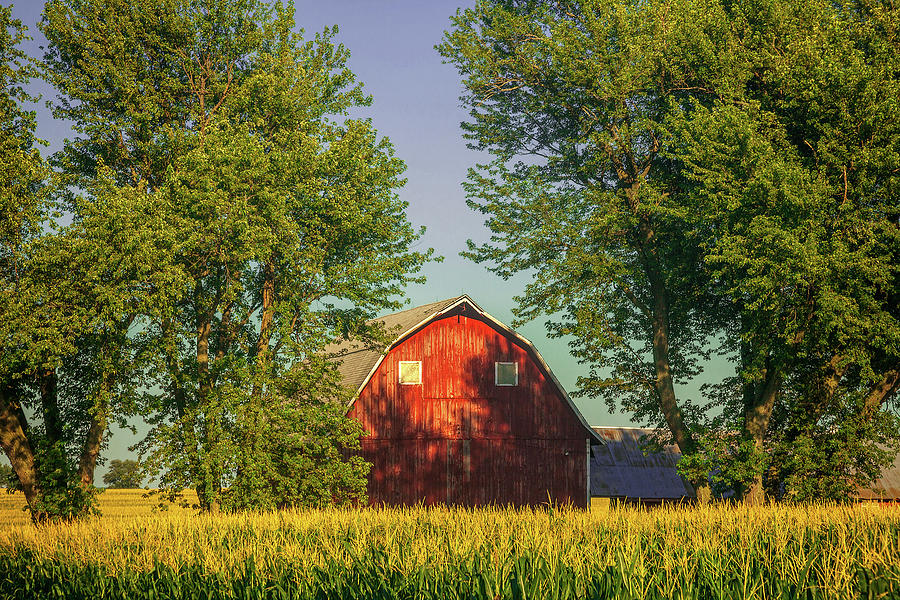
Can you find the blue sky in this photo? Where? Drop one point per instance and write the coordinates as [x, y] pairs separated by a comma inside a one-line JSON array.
[[416, 105]]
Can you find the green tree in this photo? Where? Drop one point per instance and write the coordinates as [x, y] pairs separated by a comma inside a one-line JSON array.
[[289, 454], [674, 172], [7, 477], [570, 100], [794, 171], [224, 139], [123, 474], [40, 422], [24, 207]]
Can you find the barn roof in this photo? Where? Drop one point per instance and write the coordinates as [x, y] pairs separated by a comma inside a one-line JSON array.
[[621, 470], [886, 487], [359, 362]]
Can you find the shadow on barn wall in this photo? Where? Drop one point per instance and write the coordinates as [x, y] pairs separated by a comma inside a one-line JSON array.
[[458, 438]]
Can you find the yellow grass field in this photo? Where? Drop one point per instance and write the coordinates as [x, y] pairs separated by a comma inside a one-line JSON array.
[[114, 504], [779, 551]]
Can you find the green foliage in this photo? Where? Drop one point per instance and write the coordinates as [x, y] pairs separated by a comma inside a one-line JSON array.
[[123, 474], [38, 322], [22, 170], [681, 177], [297, 453], [570, 102], [24, 203], [7, 477], [793, 177], [730, 466], [831, 460], [63, 496], [257, 222]]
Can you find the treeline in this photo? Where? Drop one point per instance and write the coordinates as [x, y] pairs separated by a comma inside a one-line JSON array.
[[680, 179], [689, 178], [217, 217]]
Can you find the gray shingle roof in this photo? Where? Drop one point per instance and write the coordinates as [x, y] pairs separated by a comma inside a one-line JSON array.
[[357, 359], [620, 470]]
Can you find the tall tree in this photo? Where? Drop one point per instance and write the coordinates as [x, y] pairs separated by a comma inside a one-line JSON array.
[[796, 180], [47, 425], [54, 413], [123, 474], [68, 367], [23, 211], [570, 99], [279, 214], [674, 171]]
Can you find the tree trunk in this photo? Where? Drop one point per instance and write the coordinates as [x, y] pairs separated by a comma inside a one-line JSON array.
[[202, 497], [659, 321], [177, 388], [889, 384], [209, 482], [664, 385], [90, 449], [268, 311], [265, 322], [756, 423], [207, 491], [204, 383], [665, 388], [48, 389], [14, 440]]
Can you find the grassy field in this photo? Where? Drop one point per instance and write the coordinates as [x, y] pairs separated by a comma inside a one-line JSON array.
[[710, 552], [114, 504]]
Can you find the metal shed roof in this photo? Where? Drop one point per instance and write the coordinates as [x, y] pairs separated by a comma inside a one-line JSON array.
[[621, 470], [887, 487]]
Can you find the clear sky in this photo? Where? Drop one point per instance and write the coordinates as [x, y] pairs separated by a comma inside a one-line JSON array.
[[416, 105]]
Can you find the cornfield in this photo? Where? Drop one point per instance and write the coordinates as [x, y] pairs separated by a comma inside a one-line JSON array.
[[709, 552]]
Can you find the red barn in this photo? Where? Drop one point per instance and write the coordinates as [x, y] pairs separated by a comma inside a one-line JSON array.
[[462, 410]]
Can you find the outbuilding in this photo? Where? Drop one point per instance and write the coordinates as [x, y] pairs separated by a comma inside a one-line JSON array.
[[886, 488], [622, 472], [461, 410]]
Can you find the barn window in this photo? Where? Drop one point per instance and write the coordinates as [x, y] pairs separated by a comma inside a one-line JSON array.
[[506, 373], [410, 372]]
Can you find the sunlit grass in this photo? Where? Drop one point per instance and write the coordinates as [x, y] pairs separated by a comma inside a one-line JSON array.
[[113, 504]]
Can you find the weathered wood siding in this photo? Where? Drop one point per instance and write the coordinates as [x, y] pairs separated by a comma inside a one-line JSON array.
[[457, 438]]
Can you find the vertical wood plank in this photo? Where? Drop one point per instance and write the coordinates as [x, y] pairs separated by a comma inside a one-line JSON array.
[[459, 438]]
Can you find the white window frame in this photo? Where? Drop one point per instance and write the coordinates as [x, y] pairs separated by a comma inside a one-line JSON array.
[[400, 372], [497, 374]]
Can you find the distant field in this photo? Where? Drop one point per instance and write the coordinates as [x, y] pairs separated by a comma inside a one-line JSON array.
[[124, 504], [709, 552], [114, 504]]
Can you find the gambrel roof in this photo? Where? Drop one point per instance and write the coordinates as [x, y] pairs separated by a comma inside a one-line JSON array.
[[359, 362]]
